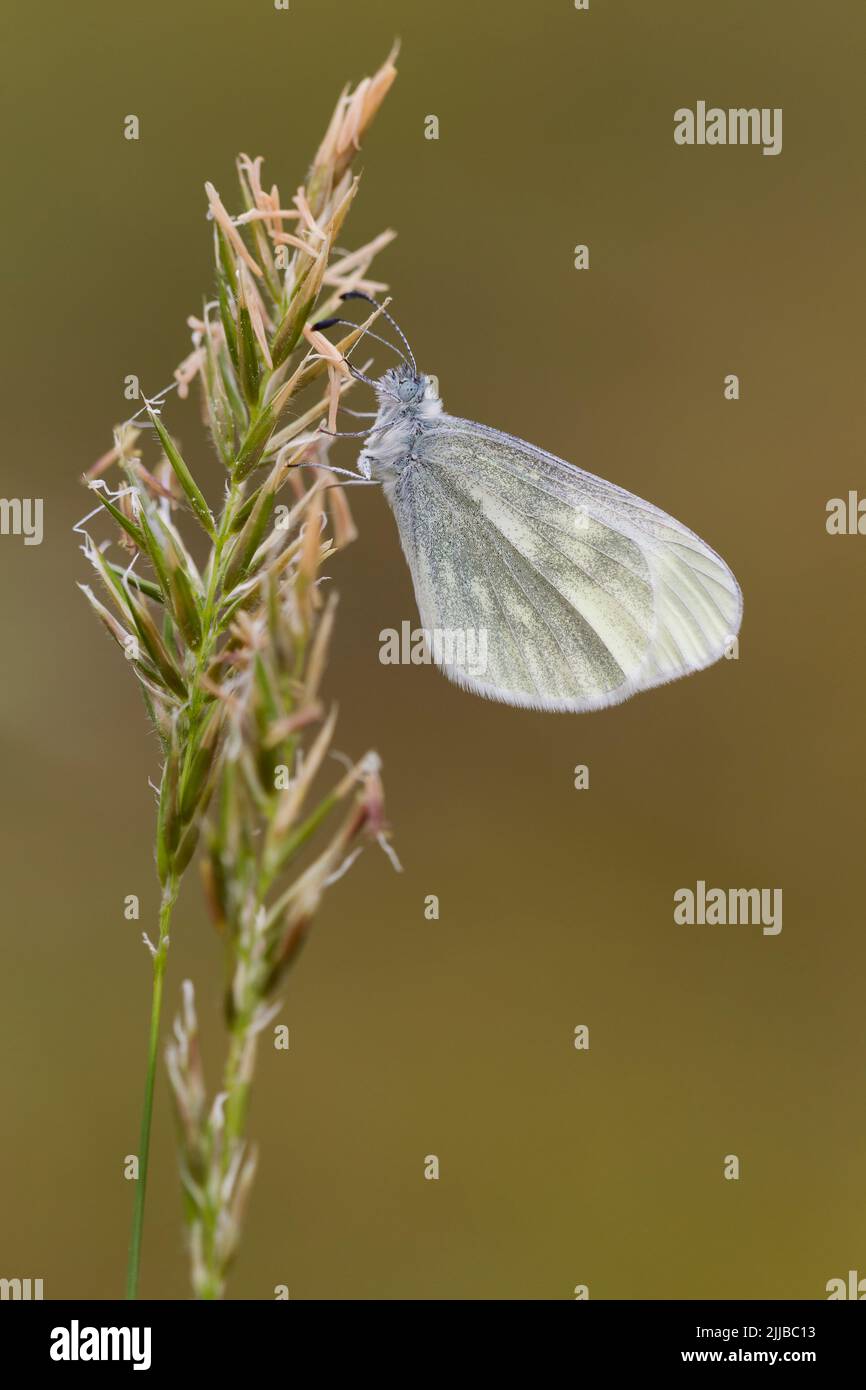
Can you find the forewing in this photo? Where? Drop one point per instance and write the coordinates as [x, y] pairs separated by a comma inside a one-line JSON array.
[[577, 593]]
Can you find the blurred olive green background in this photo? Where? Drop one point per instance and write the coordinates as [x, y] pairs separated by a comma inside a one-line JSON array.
[[454, 1037]]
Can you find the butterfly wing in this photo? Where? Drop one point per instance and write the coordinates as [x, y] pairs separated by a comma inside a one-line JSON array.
[[577, 593]]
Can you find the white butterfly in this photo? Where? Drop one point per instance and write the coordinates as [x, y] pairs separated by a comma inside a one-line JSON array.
[[584, 593]]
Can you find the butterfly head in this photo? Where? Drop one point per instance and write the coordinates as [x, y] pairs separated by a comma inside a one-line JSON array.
[[405, 387]]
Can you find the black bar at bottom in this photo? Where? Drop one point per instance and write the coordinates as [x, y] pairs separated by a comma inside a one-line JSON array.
[[258, 1339]]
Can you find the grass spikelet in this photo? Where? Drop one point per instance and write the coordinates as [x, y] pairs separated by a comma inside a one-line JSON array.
[[231, 653]]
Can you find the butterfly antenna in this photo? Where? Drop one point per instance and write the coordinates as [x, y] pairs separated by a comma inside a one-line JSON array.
[[368, 333], [359, 294]]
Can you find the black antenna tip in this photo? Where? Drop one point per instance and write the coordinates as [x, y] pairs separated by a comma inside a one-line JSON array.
[[325, 323]]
